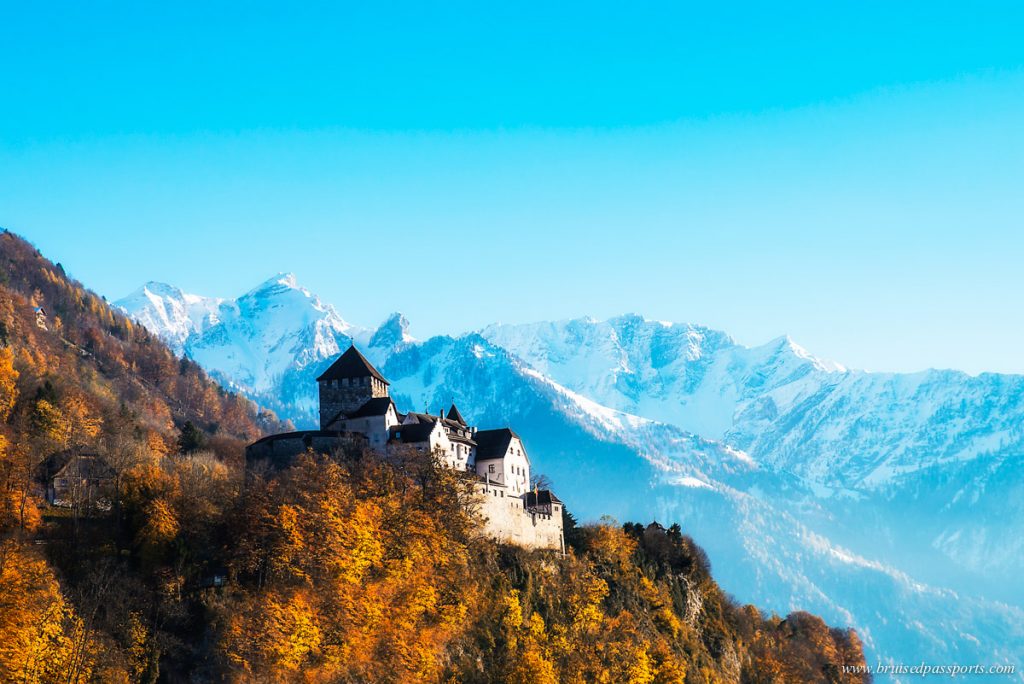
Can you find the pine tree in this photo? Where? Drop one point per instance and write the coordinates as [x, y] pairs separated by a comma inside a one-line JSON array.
[[191, 438]]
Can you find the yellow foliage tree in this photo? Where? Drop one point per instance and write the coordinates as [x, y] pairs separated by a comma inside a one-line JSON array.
[[38, 625], [8, 383], [80, 424], [48, 422], [158, 530]]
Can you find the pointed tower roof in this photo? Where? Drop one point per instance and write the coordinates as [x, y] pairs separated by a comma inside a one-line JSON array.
[[351, 364], [453, 414]]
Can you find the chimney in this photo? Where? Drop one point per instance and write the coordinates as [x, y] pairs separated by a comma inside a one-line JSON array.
[[441, 414]]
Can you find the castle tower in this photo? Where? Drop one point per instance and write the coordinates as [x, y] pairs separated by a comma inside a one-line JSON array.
[[350, 382]]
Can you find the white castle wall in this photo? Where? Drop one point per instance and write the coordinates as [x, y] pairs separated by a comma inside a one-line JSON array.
[[508, 520]]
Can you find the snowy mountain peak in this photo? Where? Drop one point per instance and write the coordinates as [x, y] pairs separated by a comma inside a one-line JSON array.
[[276, 284], [786, 344], [283, 292], [288, 279], [252, 343], [172, 314], [392, 333], [155, 288]]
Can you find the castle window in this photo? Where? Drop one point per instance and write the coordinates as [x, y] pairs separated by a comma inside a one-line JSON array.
[[490, 468]]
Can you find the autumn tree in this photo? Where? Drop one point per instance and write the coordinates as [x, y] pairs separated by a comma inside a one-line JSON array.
[[40, 627], [8, 383]]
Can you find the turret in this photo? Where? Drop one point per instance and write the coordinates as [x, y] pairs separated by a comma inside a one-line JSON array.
[[350, 382]]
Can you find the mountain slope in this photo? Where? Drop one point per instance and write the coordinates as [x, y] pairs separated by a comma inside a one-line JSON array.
[[109, 366]]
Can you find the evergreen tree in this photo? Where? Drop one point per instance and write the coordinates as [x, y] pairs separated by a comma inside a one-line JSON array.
[[191, 438]]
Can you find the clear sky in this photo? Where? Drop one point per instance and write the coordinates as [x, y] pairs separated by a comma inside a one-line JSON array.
[[849, 173]]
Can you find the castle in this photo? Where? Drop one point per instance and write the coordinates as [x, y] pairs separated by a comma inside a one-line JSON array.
[[355, 404]]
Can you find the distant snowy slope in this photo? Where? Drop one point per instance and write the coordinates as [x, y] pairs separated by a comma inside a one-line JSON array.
[[678, 373], [172, 314], [831, 426]]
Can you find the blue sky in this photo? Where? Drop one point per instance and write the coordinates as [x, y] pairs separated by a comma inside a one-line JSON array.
[[847, 173]]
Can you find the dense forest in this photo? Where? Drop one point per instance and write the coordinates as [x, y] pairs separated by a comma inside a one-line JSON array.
[[349, 568]]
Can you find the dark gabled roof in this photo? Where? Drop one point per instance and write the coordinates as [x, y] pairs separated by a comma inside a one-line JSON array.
[[544, 497], [410, 434], [351, 364], [492, 444], [424, 418], [453, 414], [87, 466], [375, 407]]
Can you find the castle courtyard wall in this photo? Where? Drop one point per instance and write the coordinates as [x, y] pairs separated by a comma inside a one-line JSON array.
[[281, 450], [507, 520]]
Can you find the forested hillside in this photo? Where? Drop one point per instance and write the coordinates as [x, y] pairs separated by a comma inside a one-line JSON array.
[[343, 569]]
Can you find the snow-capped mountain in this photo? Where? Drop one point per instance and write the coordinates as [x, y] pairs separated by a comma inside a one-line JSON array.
[[266, 343], [833, 427], [174, 315], [891, 502]]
